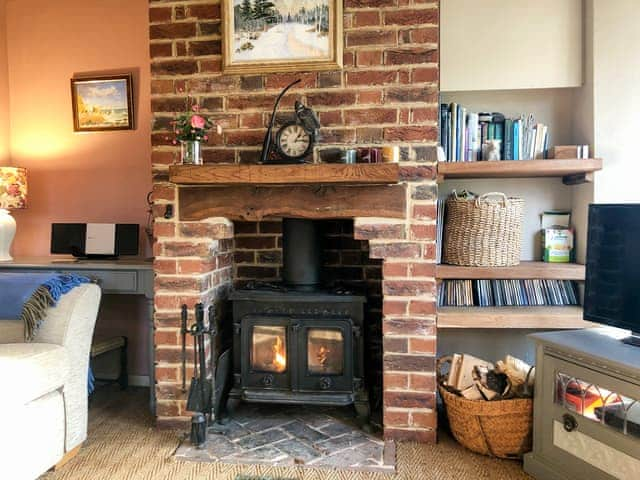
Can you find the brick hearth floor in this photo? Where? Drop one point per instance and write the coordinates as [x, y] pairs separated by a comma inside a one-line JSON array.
[[292, 435]]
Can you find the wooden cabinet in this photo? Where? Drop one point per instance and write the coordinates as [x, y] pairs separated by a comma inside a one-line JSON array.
[[586, 407], [510, 44]]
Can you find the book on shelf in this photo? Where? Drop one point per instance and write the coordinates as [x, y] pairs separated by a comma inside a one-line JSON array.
[[464, 135], [507, 293]]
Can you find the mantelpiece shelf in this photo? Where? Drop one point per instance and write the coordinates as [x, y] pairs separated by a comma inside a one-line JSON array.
[[302, 174], [512, 317], [571, 170], [526, 270]]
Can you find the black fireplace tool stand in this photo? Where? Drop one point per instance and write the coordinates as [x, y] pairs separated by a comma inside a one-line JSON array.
[[205, 393]]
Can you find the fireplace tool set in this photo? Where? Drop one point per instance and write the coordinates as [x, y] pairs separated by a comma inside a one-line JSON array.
[[205, 393]]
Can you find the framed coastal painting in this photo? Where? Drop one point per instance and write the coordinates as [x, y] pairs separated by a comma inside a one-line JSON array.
[[102, 103], [281, 35]]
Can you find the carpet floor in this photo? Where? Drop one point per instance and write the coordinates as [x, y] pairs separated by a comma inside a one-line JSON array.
[[124, 445]]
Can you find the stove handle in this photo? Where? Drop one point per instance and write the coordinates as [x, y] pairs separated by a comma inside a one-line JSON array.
[[268, 380], [325, 383]]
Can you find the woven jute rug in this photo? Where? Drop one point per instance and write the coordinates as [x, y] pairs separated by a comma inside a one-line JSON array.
[[123, 444]]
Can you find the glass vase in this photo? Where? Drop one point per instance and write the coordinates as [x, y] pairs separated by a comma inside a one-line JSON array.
[[190, 152]]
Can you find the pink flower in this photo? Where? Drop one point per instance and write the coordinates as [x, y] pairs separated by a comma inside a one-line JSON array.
[[206, 137], [197, 121], [14, 190], [196, 108]]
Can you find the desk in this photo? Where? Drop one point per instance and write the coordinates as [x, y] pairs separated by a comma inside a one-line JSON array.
[[132, 276]]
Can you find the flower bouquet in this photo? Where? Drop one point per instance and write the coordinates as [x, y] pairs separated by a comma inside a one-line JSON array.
[[190, 129]]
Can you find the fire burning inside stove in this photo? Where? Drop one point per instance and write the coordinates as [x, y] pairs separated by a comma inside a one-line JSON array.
[[269, 349], [325, 351], [279, 355]]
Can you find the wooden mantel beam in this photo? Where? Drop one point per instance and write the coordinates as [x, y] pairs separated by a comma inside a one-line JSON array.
[[303, 201], [300, 174]]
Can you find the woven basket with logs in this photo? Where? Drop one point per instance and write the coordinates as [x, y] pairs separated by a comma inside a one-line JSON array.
[[499, 428]]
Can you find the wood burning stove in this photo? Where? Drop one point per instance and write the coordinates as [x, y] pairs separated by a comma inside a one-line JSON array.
[[295, 343], [299, 347]]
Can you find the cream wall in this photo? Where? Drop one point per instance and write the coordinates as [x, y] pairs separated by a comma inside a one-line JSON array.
[[481, 41], [616, 98], [584, 133], [4, 89]]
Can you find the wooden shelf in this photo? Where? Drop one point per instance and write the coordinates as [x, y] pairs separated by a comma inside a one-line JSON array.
[[571, 170], [304, 174], [512, 317], [526, 270]]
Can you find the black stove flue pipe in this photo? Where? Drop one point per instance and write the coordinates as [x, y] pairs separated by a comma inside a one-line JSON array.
[[301, 252]]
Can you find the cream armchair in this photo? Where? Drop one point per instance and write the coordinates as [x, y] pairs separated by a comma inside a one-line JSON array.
[[43, 398]]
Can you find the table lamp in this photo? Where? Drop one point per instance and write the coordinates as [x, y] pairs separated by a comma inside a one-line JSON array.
[[13, 195]]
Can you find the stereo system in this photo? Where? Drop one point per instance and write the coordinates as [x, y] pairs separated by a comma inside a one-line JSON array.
[[95, 240]]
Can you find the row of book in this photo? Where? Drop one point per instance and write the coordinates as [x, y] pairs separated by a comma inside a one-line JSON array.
[[507, 293], [467, 136]]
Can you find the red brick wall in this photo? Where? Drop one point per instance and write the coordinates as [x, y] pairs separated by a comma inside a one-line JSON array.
[[385, 94]]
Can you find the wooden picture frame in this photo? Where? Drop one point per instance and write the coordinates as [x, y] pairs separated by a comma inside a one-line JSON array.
[[102, 103], [287, 39]]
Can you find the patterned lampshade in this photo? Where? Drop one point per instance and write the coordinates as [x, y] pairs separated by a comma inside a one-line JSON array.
[[13, 187]]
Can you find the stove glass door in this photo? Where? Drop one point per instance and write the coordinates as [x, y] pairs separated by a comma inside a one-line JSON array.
[[325, 351], [269, 349]]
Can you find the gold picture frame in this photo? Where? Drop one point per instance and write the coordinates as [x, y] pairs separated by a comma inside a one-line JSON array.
[[102, 103], [285, 40]]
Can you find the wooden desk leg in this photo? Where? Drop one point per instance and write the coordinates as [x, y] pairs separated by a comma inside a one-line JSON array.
[[66, 458], [152, 354]]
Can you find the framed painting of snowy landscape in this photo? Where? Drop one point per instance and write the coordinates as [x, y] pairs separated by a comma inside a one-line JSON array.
[[102, 103], [281, 35]]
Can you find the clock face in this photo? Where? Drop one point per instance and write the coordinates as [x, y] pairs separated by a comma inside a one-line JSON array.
[[293, 141]]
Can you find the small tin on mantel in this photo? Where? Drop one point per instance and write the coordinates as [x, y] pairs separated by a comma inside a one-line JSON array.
[[349, 156], [391, 154], [369, 155]]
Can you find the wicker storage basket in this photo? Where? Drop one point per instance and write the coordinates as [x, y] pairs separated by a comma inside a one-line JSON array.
[[483, 232], [498, 428]]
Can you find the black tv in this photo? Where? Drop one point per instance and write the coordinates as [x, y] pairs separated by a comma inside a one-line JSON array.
[[611, 294]]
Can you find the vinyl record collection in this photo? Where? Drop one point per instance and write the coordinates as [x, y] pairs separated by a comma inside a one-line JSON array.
[[507, 293]]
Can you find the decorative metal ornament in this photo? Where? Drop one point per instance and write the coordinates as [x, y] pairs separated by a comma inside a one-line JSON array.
[[295, 139]]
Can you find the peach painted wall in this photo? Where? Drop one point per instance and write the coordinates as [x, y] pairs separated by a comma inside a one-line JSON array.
[[87, 177], [4, 88]]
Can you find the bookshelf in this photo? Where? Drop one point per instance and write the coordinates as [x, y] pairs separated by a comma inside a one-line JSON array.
[[538, 181], [511, 317], [571, 170], [518, 82], [526, 270]]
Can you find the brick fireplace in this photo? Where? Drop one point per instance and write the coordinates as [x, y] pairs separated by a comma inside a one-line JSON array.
[[386, 94]]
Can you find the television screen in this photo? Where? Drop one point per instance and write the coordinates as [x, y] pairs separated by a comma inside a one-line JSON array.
[[612, 293]]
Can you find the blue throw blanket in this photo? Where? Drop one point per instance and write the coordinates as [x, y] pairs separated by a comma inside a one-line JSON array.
[[27, 296]]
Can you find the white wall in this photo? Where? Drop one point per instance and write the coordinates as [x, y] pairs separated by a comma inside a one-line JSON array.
[[616, 98]]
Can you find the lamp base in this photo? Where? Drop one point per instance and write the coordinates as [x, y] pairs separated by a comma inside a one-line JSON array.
[[7, 233]]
